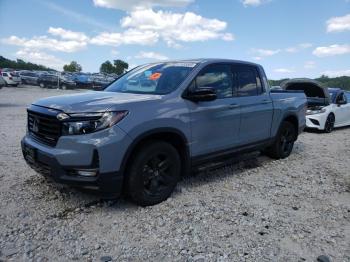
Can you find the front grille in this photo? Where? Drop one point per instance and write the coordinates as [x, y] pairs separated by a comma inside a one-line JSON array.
[[44, 128]]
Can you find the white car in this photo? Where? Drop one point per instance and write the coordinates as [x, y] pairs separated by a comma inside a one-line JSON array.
[[11, 78], [2, 82], [327, 107]]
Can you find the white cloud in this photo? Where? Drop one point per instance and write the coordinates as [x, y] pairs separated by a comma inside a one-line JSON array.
[[265, 52], [254, 3], [67, 34], [175, 27], [43, 42], [140, 4], [338, 24], [40, 58], [298, 48], [331, 73], [130, 36], [283, 70], [309, 65], [151, 55], [331, 50]]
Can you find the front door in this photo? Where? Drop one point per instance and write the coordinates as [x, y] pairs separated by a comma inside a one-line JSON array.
[[214, 124]]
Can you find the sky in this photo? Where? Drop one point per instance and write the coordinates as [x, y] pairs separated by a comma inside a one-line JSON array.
[[290, 38]]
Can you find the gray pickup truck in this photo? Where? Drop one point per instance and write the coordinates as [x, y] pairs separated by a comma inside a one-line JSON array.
[[157, 122]]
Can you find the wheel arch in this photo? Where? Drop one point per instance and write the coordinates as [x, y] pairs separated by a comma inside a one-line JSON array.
[[293, 119], [171, 135]]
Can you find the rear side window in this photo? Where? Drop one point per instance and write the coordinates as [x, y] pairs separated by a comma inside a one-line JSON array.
[[218, 77], [4, 74], [347, 94], [248, 79]]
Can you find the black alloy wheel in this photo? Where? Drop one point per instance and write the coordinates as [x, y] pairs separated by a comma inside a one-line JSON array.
[[153, 173], [284, 141], [329, 125]]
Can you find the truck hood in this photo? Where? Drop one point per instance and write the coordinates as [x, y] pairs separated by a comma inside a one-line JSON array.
[[93, 101], [317, 95]]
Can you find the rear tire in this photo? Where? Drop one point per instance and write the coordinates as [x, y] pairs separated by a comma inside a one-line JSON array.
[[284, 142], [42, 85], [64, 87], [329, 125], [153, 173]]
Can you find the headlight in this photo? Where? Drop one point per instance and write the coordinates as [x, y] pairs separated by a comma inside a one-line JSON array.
[[315, 111], [86, 123]]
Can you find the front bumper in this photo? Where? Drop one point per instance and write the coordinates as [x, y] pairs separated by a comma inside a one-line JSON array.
[[316, 121], [85, 152], [49, 167]]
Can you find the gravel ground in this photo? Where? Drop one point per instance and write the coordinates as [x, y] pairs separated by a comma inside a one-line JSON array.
[[255, 210]]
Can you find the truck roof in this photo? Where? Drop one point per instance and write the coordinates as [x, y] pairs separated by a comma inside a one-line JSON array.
[[212, 60]]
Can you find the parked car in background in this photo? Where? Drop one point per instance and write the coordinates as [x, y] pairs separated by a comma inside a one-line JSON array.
[[158, 121], [2, 82], [67, 82], [83, 81], [99, 82], [327, 107], [11, 78], [28, 77], [54, 81]]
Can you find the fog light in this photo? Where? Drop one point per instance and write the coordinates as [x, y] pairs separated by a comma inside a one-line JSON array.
[[88, 173]]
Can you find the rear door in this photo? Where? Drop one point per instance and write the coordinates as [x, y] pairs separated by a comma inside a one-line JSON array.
[[342, 111], [255, 103], [214, 124], [15, 77], [347, 120]]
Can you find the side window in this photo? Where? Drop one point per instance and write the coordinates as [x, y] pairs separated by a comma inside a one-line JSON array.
[[4, 74], [341, 98], [218, 77], [347, 96], [248, 80]]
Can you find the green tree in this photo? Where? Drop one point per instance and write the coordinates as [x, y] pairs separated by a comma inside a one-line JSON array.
[[72, 67], [107, 68], [120, 66]]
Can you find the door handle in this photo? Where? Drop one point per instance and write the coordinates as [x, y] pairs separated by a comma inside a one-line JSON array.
[[266, 101], [233, 106]]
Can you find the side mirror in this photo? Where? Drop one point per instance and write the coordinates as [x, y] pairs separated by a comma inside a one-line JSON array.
[[341, 102], [201, 94]]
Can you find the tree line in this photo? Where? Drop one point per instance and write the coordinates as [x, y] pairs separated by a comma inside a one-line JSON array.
[[116, 67], [20, 64]]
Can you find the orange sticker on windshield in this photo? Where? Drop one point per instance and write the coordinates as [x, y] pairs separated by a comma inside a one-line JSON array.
[[155, 76]]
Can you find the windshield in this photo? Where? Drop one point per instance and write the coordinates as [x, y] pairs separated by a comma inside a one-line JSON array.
[[333, 94], [161, 78]]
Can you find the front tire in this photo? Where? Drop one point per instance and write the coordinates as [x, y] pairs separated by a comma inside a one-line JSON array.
[[329, 125], [153, 173], [283, 145], [64, 87], [42, 85]]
